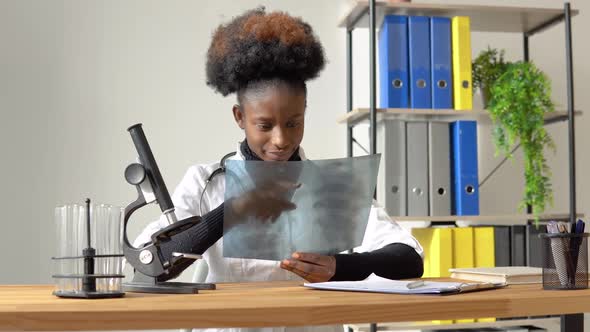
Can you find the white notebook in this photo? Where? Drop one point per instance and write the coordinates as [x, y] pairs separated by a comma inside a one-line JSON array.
[[377, 284], [510, 275]]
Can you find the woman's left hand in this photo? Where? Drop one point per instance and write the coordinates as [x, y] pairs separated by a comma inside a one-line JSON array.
[[311, 267]]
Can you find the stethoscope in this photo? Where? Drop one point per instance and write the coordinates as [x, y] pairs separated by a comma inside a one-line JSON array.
[[219, 170]]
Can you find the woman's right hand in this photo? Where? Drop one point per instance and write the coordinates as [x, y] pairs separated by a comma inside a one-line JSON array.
[[265, 202]]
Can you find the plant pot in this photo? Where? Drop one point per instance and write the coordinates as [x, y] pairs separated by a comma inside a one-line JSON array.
[[485, 96]]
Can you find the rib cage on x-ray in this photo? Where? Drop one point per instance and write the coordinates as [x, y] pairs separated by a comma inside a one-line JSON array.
[[333, 204], [335, 209]]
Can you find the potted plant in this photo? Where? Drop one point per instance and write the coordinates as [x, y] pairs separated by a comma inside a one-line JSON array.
[[519, 100], [486, 69]]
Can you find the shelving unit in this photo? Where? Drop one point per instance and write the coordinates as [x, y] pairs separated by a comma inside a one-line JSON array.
[[453, 327], [526, 21]]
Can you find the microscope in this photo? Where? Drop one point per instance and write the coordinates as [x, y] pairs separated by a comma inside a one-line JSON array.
[[153, 265]]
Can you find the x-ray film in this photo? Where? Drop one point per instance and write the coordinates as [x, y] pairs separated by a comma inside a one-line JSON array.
[[273, 209]]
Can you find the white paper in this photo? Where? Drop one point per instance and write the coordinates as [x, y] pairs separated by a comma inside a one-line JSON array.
[[377, 284]]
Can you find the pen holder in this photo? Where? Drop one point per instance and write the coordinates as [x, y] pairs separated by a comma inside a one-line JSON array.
[[565, 260], [89, 260]]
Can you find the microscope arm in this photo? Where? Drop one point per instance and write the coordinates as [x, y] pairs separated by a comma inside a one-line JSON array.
[[176, 246]]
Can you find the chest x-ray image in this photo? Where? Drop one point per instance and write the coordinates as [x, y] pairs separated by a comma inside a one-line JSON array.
[[273, 209]]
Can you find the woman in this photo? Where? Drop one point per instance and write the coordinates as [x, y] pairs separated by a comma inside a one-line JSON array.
[[266, 58]]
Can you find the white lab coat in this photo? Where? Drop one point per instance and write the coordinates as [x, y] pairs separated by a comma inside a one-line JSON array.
[[380, 231]]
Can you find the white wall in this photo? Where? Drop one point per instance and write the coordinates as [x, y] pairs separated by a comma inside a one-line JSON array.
[[75, 74]]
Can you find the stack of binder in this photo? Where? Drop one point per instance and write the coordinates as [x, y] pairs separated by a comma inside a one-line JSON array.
[[456, 247], [519, 245], [478, 246], [428, 168], [425, 62]]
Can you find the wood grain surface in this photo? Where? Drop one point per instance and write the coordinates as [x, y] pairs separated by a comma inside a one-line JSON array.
[[34, 308]]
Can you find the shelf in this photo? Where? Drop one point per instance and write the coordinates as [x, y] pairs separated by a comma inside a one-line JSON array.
[[488, 218], [362, 114], [404, 326], [358, 115], [483, 18]]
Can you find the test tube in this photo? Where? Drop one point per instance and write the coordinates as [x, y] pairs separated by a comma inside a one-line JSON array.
[[58, 264], [97, 237], [79, 221], [115, 246]]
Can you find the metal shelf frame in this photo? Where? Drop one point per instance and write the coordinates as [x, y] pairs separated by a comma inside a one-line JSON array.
[[571, 322]]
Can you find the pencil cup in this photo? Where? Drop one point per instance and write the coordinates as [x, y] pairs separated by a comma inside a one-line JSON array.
[[88, 262], [565, 261]]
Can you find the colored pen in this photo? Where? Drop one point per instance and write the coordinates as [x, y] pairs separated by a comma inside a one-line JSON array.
[[415, 284]]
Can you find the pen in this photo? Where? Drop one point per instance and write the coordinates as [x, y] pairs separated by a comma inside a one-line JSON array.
[[415, 284], [577, 242], [552, 227], [582, 227]]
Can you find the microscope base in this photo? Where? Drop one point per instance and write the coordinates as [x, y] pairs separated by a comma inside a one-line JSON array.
[[167, 287], [145, 284], [87, 295]]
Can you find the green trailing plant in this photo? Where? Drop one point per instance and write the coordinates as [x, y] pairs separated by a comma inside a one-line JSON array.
[[487, 67], [519, 100]]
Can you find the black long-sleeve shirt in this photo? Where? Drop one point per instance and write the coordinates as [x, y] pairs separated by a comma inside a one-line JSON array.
[[394, 261]]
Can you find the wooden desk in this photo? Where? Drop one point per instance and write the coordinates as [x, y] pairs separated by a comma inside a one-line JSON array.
[[270, 304]]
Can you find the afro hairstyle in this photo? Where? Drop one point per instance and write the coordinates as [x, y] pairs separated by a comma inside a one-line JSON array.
[[258, 46]]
